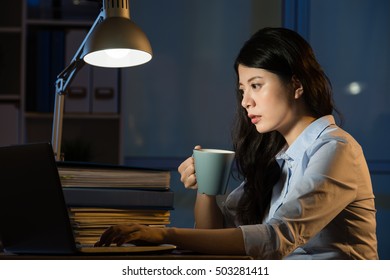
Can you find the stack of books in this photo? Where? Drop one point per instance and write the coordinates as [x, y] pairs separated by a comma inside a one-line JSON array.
[[99, 196]]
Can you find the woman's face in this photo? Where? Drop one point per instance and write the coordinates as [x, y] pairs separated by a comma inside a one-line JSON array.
[[268, 101]]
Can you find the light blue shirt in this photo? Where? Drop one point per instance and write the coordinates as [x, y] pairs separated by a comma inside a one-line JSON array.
[[323, 205]]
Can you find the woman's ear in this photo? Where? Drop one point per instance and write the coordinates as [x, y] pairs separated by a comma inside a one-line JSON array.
[[297, 86]]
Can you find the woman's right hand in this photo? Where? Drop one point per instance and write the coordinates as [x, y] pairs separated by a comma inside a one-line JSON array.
[[187, 172]]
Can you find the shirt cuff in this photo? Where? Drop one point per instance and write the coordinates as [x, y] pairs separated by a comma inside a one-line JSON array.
[[259, 241]]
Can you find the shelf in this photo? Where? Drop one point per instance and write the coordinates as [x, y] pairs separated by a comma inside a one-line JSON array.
[[59, 23], [10, 29], [9, 97], [85, 116]]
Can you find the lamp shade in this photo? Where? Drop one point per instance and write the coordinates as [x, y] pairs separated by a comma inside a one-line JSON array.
[[117, 42]]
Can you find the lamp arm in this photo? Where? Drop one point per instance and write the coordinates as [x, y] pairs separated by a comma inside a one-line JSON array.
[[63, 81], [65, 78]]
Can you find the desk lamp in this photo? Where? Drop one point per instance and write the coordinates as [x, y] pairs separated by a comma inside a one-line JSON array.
[[113, 41]]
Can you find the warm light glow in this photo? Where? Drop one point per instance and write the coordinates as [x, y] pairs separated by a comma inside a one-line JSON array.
[[104, 58], [117, 53]]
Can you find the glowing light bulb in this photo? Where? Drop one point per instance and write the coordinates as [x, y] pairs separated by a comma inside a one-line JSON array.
[[117, 53]]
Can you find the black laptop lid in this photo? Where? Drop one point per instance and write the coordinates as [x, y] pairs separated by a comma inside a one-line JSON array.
[[33, 214]]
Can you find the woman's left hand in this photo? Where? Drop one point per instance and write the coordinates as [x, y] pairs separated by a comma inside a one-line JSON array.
[[120, 234]]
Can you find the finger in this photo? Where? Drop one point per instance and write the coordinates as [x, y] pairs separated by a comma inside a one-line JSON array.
[[184, 165], [188, 177], [125, 233], [189, 160], [188, 171], [110, 234], [127, 238], [104, 237], [108, 239], [120, 240], [190, 182]]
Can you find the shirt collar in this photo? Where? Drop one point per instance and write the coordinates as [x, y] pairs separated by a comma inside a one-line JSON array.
[[305, 139]]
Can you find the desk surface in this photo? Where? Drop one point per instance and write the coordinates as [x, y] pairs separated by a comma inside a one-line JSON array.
[[175, 255]]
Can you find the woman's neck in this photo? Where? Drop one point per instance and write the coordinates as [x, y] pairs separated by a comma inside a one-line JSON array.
[[297, 128]]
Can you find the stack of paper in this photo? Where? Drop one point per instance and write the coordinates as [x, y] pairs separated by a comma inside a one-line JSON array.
[[90, 223], [101, 196]]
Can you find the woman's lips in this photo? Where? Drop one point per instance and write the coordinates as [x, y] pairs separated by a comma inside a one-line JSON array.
[[254, 119]]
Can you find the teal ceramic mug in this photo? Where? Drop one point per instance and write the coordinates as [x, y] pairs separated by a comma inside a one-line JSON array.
[[212, 170]]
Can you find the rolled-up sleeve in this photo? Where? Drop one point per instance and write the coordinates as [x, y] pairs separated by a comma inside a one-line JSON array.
[[260, 240]]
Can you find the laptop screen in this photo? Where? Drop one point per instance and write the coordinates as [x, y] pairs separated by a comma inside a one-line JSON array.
[[33, 214]]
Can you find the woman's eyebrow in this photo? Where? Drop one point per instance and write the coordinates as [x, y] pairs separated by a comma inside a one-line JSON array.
[[254, 78], [251, 79]]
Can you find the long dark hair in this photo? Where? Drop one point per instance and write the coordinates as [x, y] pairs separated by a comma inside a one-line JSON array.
[[286, 54]]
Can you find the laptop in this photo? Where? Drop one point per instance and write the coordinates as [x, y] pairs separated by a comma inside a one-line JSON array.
[[33, 214]]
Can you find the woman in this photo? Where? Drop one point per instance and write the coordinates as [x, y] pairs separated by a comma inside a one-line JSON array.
[[307, 191]]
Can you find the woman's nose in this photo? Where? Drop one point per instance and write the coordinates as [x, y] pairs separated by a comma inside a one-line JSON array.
[[246, 101]]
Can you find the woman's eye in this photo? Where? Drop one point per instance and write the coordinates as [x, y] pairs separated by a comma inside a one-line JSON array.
[[241, 91], [256, 86]]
